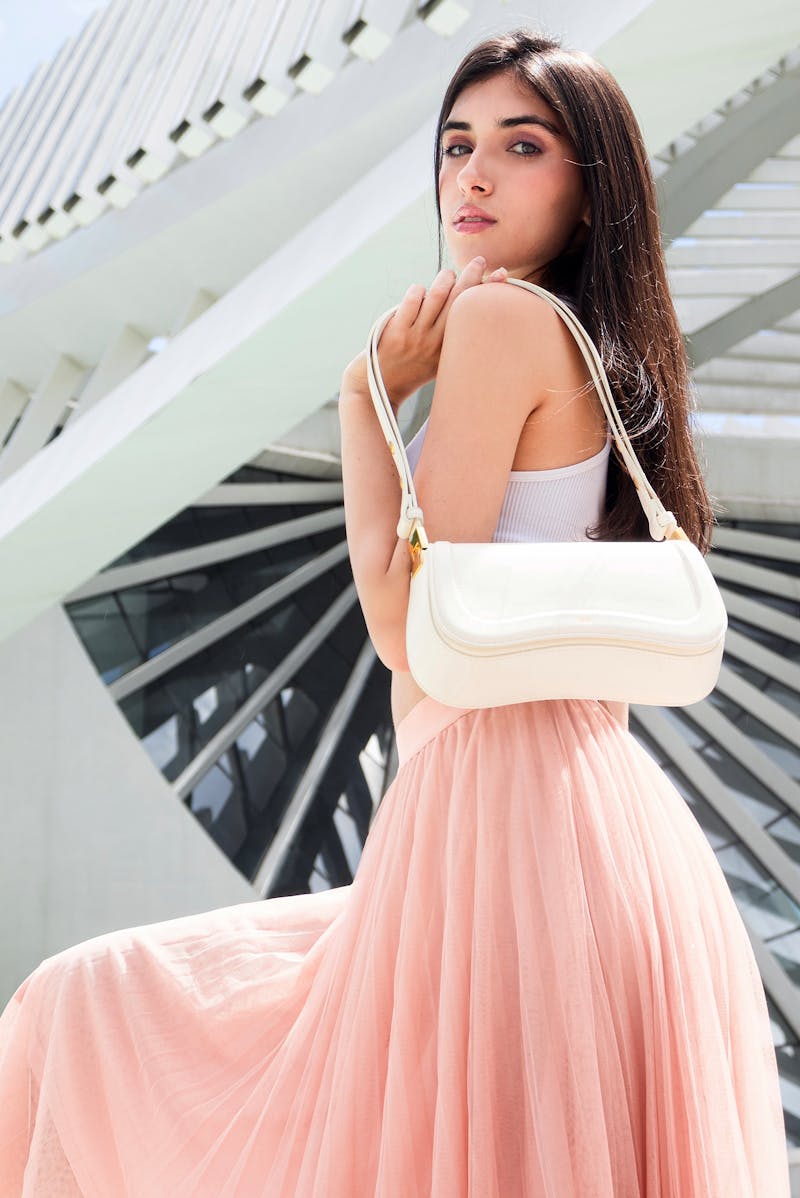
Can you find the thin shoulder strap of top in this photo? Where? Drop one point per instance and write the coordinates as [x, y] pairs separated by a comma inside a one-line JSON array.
[[661, 522]]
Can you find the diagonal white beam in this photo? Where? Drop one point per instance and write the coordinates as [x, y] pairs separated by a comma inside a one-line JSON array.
[[252, 494], [12, 401], [761, 615], [209, 634], [777, 984], [124, 354], [759, 578], [759, 544], [761, 312], [744, 749], [729, 153], [766, 709], [198, 557], [222, 388], [297, 810], [41, 415], [265, 693], [754, 654], [720, 798]]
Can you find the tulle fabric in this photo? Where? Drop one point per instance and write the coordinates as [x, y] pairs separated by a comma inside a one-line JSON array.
[[537, 986]]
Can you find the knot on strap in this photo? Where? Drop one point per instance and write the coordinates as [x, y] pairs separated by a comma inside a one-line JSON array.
[[661, 523], [406, 521]]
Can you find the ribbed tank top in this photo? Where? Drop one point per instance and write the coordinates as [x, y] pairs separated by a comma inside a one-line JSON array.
[[546, 505]]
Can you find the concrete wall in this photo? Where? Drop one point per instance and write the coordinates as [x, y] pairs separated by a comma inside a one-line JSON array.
[[92, 837]]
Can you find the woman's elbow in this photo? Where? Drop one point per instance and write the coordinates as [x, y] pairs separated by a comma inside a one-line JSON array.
[[384, 603], [390, 647]]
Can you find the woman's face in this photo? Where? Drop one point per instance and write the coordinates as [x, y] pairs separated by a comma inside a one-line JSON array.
[[524, 175]]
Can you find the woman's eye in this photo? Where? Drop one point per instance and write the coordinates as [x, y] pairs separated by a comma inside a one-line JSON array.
[[532, 149]]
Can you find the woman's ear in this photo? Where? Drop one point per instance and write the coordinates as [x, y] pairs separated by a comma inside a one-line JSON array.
[[580, 234]]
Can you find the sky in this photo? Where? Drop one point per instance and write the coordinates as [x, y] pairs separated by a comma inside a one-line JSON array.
[[31, 31]]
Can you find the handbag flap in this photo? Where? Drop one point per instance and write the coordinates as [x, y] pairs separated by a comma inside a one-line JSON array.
[[496, 595]]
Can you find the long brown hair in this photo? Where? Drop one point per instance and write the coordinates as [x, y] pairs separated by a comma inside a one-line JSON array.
[[617, 277]]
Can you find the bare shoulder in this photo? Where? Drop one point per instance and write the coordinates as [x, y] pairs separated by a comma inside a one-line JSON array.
[[488, 381], [503, 306], [489, 361], [502, 319]]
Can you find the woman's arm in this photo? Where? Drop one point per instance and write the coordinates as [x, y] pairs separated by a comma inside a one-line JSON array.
[[380, 560], [498, 350]]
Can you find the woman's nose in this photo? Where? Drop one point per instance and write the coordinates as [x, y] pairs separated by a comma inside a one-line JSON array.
[[472, 174]]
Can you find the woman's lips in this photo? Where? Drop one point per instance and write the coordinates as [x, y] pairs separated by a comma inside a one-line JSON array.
[[473, 226]]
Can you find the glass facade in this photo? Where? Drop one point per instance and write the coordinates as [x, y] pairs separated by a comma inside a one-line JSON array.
[[242, 792]]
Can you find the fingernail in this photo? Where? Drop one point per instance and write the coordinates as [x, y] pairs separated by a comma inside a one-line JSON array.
[[480, 259]]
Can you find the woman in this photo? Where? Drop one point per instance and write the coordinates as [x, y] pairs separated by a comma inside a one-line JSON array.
[[538, 983]]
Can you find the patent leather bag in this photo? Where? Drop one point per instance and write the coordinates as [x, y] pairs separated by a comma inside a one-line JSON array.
[[496, 623]]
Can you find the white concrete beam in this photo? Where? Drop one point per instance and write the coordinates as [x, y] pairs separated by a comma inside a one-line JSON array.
[[748, 398], [728, 153], [126, 352], [230, 382], [761, 312], [41, 414], [751, 464], [12, 400]]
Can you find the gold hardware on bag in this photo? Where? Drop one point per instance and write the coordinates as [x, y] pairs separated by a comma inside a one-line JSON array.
[[417, 541], [677, 534]]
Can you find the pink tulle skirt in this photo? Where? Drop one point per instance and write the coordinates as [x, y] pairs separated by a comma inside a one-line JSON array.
[[538, 985]]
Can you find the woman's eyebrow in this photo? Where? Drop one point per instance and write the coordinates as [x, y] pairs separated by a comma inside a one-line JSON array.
[[508, 123]]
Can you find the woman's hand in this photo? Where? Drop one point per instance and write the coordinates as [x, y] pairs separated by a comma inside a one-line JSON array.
[[411, 341]]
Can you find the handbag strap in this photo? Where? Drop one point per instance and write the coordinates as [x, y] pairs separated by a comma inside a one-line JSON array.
[[662, 523]]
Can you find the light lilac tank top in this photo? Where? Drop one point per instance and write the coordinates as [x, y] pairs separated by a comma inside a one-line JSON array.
[[546, 505]]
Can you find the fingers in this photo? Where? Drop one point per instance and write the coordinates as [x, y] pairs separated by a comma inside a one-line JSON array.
[[427, 307], [446, 286], [471, 275], [412, 300], [474, 272], [438, 295]]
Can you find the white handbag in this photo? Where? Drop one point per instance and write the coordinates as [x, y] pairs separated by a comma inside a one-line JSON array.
[[496, 623]]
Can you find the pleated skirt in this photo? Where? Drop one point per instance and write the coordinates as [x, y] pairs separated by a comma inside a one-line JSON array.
[[538, 985]]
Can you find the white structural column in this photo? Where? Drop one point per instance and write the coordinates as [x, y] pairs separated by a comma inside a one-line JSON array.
[[93, 837], [12, 401], [41, 414], [126, 351]]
